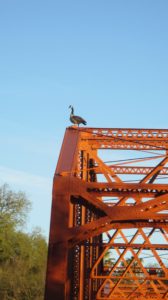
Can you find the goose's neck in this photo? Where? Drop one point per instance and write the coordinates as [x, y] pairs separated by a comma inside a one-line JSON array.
[[72, 111]]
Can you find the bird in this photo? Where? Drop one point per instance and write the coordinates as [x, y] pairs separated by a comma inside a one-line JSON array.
[[76, 119]]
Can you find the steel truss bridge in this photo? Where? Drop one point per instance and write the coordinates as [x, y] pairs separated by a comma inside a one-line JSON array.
[[109, 217]]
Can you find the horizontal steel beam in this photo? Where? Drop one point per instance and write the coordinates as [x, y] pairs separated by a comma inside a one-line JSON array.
[[132, 170], [125, 138], [114, 189], [133, 246]]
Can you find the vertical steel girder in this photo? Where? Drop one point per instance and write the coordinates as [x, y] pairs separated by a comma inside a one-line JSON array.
[[109, 218]]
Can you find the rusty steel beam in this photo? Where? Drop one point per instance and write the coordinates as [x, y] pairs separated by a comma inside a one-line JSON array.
[[136, 133], [123, 138], [91, 200], [128, 245], [59, 265], [127, 187], [133, 170]]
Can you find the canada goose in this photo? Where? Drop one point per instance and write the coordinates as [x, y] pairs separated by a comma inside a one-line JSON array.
[[76, 119]]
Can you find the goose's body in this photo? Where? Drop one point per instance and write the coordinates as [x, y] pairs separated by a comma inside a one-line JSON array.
[[76, 119]]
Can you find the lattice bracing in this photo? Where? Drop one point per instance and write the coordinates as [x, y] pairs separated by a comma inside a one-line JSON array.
[[109, 220]]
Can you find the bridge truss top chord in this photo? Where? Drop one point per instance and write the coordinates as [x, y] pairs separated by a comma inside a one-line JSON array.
[[109, 217]]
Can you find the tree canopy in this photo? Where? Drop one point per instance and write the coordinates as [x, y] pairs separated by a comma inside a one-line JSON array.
[[22, 255]]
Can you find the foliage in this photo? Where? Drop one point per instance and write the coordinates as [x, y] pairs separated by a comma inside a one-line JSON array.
[[108, 261], [14, 207], [22, 255]]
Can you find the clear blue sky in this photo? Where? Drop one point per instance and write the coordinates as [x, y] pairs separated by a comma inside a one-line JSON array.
[[107, 58]]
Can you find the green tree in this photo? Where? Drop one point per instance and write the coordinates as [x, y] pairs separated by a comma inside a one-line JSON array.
[[14, 207], [108, 260], [22, 255]]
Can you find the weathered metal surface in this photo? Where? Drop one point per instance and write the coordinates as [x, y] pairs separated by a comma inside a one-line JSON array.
[[58, 268], [98, 214]]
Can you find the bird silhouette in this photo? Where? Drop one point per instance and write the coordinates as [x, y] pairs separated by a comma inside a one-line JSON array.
[[76, 119]]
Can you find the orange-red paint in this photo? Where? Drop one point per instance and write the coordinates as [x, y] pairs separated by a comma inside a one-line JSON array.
[[95, 210]]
